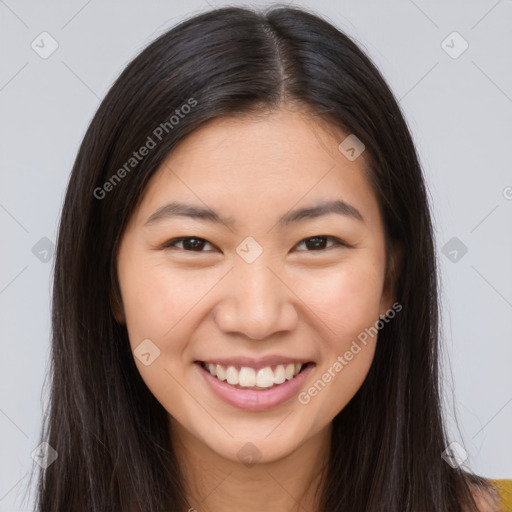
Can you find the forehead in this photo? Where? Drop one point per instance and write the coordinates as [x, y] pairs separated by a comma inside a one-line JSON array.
[[268, 164]]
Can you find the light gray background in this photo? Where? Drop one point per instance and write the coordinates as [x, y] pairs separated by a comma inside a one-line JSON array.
[[460, 113]]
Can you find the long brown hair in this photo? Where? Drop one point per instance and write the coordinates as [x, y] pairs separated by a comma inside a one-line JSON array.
[[110, 432]]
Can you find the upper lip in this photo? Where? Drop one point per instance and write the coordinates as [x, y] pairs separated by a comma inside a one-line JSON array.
[[255, 363]]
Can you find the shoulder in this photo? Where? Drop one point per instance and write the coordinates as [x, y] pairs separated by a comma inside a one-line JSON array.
[[494, 497]]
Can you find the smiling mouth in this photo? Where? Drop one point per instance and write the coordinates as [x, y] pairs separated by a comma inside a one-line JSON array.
[[246, 377]]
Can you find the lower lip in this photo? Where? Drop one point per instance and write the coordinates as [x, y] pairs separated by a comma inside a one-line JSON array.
[[253, 400]]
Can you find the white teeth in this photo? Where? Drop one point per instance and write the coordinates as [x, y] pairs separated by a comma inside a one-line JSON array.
[[232, 375], [265, 377], [289, 371], [279, 374], [248, 377], [220, 372]]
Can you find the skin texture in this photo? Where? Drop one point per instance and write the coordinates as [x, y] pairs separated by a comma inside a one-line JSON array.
[[292, 300]]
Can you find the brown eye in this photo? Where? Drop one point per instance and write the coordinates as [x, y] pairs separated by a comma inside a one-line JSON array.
[[189, 243], [318, 243]]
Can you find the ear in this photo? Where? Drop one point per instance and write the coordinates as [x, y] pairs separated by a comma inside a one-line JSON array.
[[389, 288]]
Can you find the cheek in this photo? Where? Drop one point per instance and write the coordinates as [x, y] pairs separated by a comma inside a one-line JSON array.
[[345, 298], [150, 302], [161, 303], [337, 381], [158, 306]]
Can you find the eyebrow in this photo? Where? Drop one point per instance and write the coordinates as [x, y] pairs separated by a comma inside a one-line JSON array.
[[176, 209]]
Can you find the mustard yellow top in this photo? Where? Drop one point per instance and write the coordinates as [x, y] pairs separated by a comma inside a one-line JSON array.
[[504, 488]]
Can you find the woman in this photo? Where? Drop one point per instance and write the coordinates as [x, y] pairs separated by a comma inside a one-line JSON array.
[[245, 218]]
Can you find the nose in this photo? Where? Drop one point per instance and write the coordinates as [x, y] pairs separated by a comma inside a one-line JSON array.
[[257, 302]]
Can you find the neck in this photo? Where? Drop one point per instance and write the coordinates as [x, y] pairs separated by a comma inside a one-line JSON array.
[[216, 484]]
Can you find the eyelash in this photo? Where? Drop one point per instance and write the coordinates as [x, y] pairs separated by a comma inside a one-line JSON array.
[[337, 242]]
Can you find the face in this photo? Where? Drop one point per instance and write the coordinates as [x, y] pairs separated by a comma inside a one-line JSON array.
[[236, 281]]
